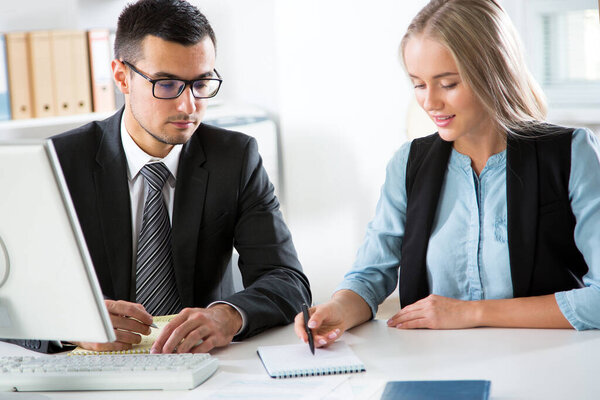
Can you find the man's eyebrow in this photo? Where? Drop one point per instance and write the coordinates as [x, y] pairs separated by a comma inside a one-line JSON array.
[[438, 76], [168, 75]]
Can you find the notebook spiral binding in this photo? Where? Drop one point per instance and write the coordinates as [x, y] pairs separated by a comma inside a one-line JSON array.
[[299, 373]]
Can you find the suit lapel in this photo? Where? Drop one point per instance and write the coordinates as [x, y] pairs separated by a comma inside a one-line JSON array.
[[110, 179], [190, 192], [522, 207]]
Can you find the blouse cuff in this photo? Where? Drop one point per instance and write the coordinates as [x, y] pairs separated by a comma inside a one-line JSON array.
[[568, 311]]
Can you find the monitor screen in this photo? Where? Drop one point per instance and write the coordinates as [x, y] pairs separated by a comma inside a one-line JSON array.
[[48, 287]]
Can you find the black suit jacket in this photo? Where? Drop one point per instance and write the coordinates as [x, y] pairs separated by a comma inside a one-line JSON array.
[[223, 198]]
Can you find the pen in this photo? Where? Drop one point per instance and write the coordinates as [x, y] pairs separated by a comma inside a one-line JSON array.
[[153, 325], [311, 343]]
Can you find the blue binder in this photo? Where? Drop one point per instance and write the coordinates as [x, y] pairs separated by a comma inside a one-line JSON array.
[[4, 94], [437, 390]]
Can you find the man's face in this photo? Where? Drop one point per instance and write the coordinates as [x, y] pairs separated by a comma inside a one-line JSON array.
[[157, 124]]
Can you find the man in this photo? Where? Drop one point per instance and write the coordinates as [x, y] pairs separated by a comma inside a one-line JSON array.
[[162, 198]]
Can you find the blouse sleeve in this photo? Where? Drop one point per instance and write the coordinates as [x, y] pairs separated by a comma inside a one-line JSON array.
[[374, 275], [581, 306]]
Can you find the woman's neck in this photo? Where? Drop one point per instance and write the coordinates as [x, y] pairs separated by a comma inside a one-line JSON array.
[[480, 148]]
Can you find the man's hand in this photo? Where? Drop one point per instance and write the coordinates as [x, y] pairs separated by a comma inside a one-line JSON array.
[[129, 320], [198, 330]]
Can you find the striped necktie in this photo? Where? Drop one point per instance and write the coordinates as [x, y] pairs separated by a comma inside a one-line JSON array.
[[156, 288]]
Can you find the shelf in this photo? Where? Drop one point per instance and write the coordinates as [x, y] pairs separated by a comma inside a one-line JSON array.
[[40, 128]]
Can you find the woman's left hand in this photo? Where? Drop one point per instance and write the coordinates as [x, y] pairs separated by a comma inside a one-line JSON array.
[[436, 312]]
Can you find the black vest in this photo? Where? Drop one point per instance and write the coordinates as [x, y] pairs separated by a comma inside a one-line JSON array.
[[542, 252]]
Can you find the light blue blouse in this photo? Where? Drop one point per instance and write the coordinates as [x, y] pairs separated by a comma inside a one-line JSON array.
[[467, 256]]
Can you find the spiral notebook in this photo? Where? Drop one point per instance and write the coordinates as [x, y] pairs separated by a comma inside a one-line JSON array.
[[141, 348], [296, 360]]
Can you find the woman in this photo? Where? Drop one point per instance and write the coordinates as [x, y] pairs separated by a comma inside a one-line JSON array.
[[494, 220]]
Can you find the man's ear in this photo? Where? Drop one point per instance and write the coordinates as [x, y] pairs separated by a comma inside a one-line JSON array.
[[120, 75]]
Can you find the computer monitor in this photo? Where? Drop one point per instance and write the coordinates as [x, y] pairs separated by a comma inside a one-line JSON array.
[[48, 286]]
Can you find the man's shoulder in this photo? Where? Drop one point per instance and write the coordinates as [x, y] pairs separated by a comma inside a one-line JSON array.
[[86, 135], [216, 136], [220, 145], [78, 135]]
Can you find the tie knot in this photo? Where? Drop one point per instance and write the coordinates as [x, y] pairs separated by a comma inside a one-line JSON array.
[[156, 175]]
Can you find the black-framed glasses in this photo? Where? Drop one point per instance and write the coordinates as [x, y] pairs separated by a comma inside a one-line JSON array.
[[168, 88]]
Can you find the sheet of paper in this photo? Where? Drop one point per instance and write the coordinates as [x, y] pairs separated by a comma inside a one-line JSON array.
[[232, 386]]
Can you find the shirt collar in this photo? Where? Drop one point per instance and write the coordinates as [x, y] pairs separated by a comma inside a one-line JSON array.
[[463, 161], [137, 158]]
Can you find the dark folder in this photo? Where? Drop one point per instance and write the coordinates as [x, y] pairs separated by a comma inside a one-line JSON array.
[[437, 390]]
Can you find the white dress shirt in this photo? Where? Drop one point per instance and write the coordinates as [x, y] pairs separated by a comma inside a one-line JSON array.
[[138, 190]]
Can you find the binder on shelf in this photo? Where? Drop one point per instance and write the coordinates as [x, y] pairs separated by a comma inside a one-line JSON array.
[[81, 73], [41, 74], [4, 96], [103, 94], [18, 75], [63, 72]]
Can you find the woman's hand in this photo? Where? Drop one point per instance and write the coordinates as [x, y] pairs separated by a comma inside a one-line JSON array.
[[325, 323], [436, 312], [328, 321]]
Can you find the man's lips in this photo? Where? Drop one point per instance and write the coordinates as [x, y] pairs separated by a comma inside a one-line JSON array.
[[183, 124]]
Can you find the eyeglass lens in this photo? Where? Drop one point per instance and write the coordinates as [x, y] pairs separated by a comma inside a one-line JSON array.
[[170, 88]]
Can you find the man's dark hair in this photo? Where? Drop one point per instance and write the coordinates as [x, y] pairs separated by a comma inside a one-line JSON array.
[[173, 20]]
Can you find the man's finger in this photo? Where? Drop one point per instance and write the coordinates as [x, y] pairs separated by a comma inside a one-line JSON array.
[[165, 333], [128, 309], [191, 340], [182, 331], [127, 337], [129, 324], [113, 346], [204, 347]]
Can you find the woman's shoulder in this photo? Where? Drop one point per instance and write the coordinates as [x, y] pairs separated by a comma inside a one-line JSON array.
[[585, 141]]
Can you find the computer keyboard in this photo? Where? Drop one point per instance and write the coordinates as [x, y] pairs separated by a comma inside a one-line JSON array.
[[106, 372]]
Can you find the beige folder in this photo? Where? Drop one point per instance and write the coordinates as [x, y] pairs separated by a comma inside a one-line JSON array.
[[41, 73], [103, 94], [62, 72], [71, 76], [18, 75], [81, 73]]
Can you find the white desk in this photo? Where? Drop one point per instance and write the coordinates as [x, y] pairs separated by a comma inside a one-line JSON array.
[[521, 363]]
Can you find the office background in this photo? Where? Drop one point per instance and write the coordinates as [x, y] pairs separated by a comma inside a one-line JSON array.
[[328, 72]]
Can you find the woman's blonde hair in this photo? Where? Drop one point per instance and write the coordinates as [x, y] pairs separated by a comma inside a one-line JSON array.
[[489, 57]]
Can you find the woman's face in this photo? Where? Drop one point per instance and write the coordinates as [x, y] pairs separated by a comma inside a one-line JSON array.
[[440, 91]]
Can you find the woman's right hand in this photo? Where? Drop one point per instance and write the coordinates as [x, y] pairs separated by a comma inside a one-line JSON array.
[[325, 322], [328, 321]]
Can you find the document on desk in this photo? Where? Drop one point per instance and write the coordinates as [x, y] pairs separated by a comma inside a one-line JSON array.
[[234, 386], [143, 347], [296, 360]]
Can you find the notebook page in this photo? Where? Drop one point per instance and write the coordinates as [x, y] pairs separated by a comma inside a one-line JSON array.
[[141, 348], [296, 360]]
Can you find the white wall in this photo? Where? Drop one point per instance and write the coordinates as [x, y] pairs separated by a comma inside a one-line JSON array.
[[342, 105]]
